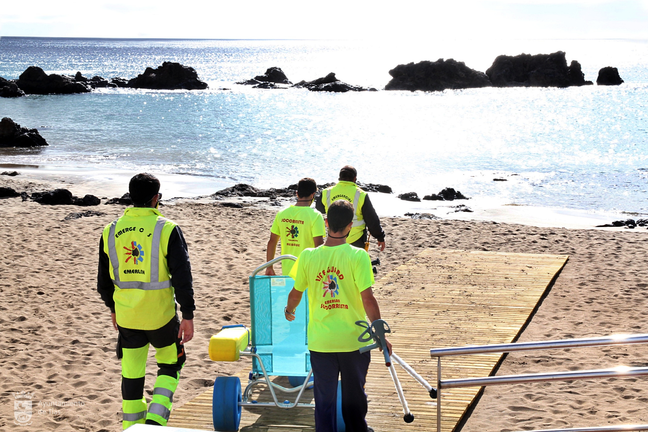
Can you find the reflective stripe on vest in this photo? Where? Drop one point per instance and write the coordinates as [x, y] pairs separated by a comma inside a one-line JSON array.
[[159, 409], [155, 283], [356, 222], [133, 417], [163, 392]]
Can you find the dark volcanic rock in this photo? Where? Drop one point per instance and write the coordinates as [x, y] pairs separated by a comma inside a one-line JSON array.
[[169, 76], [238, 190], [576, 75], [447, 194], [371, 187], [541, 70], [35, 81], [13, 135], [245, 190], [409, 196], [64, 197], [273, 75], [436, 76], [55, 197], [609, 76], [88, 213], [9, 89], [7, 192], [124, 200], [330, 83], [99, 82]]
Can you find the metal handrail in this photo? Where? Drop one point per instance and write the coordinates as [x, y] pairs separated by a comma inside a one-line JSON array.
[[622, 339], [621, 428]]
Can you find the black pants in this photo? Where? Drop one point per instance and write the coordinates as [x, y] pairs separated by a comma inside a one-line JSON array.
[[162, 337], [352, 367]]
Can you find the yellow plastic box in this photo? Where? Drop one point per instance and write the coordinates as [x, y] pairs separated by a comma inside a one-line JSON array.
[[228, 343]]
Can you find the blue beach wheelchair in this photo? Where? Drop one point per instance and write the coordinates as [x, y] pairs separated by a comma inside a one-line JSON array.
[[277, 347]]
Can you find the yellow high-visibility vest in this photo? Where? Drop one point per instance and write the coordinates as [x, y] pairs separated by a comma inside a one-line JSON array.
[[349, 191], [137, 245]]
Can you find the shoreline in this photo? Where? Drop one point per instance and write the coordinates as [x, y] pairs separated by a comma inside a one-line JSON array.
[[177, 188], [59, 346]]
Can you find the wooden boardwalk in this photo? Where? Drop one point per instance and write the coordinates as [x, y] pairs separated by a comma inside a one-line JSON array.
[[440, 298]]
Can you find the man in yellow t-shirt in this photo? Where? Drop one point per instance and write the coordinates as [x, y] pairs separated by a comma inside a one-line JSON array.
[[298, 227], [339, 278]]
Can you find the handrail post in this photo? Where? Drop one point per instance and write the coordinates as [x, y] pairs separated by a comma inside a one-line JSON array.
[[439, 394]]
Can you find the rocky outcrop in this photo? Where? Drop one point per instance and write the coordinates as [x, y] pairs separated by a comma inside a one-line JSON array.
[[245, 190], [447, 194], [35, 81], [628, 223], [269, 79], [124, 200], [409, 196], [9, 89], [372, 187], [14, 135], [436, 76], [99, 82], [62, 197], [609, 76], [541, 70], [330, 83], [169, 76], [7, 192]]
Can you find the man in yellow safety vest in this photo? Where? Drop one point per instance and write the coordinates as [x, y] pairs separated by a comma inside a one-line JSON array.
[[144, 269], [364, 215]]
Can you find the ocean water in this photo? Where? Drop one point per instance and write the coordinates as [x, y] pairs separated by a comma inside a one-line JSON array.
[[580, 148]]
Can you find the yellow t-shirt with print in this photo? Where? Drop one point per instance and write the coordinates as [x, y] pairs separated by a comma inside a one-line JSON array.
[[335, 276], [296, 226]]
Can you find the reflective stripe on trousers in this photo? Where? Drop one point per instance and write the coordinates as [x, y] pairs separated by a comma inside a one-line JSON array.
[[160, 410]]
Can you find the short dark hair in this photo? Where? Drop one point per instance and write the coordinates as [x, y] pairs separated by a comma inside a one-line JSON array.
[[348, 173], [142, 188], [306, 187], [339, 215]]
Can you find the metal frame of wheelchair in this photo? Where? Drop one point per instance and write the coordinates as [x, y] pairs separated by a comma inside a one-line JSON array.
[[228, 398]]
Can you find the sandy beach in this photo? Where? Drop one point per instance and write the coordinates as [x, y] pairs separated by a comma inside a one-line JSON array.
[[59, 346]]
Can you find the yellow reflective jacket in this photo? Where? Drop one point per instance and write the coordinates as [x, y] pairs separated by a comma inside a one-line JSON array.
[[348, 190], [136, 245]]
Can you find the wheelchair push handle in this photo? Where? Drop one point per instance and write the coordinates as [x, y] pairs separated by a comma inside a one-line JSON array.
[[375, 331]]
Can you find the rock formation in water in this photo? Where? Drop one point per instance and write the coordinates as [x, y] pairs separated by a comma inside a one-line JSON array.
[[330, 83], [436, 76], [269, 79], [540, 70], [14, 135], [609, 76], [9, 89], [35, 81], [169, 76]]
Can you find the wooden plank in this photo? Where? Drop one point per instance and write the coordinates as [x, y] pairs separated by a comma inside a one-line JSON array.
[[439, 298]]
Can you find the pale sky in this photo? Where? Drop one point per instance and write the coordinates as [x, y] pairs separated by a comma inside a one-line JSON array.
[[339, 19]]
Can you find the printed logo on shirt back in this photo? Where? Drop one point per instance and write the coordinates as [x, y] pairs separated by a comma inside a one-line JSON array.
[[134, 252], [292, 232], [331, 286]]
